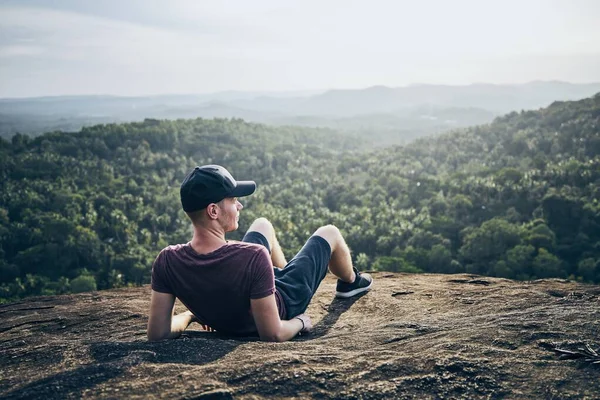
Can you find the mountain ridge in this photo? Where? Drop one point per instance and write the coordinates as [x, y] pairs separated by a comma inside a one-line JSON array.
[[337, 108]]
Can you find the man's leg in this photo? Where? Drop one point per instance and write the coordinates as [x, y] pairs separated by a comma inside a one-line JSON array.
[[340, 263], [300, 279], [351, 282], [264, 227]]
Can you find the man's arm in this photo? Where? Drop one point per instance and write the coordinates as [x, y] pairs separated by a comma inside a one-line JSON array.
[[162, 324], [270, 327]]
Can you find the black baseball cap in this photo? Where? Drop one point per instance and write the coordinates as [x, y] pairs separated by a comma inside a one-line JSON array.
[[210, 184]]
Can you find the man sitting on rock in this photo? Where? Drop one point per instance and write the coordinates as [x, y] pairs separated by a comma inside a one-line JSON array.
[[241, 288]]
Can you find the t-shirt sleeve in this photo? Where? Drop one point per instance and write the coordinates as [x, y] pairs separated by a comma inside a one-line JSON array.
[[263, 277], [159, 281]]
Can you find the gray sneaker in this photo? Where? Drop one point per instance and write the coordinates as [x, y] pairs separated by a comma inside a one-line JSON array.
[[362, 283]]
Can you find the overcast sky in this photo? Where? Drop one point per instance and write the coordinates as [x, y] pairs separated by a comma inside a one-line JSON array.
[[140, 47]]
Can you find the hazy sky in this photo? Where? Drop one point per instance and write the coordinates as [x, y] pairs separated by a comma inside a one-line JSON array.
[[139, 47]]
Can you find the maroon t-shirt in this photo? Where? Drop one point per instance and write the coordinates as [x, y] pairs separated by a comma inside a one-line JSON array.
[[217, 287]]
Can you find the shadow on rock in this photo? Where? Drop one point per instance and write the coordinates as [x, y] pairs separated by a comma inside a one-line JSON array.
[[114, 358], [202, 349], [337, 307], [67, 384]]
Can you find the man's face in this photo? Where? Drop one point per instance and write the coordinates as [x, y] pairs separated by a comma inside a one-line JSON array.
[[230, 213]]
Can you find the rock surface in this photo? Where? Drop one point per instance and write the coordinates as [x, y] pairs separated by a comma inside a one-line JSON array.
[[412, 336]]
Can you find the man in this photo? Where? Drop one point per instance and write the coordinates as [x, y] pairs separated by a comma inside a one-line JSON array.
[[241, 288]]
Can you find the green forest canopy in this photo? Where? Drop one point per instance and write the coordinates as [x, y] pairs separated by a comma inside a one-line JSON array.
[[517, 198]]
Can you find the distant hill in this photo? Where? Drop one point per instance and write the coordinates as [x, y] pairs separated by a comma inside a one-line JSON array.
[[495, 98], [393, 114]]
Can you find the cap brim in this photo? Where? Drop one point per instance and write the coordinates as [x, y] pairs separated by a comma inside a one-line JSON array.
[[243, 188]]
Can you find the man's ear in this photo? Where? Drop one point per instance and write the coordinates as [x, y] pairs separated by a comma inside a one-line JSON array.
[[213, 211]]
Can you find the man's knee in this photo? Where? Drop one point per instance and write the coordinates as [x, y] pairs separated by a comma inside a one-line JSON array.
[[263, 226], [331, 234]]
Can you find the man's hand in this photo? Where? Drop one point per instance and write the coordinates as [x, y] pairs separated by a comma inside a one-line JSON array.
[[193, 318], [268, 324], [307, 324], [162, 324], [191, 315]]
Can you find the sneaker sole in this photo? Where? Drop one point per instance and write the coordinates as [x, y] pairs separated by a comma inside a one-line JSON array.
[[345, 295]]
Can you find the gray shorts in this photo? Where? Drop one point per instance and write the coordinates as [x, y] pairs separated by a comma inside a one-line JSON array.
[[298, 281]]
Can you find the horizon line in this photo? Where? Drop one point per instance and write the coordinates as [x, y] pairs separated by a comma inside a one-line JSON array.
[[275, 92]]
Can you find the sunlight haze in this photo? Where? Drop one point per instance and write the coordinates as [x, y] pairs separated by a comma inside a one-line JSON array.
[[158, 47]]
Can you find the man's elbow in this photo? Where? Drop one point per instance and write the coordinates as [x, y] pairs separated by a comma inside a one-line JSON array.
[[154, 336], [273, 337]]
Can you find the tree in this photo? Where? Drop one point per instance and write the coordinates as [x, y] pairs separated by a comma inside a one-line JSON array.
[[562, 212], [541, 235], [362, 262], [440, 259], [83, 283], [519, 261], [394, 264], [502, 270], [547, 265], [589, 270], [484, 245]]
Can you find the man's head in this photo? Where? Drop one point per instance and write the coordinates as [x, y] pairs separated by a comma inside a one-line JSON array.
[[210, 185]]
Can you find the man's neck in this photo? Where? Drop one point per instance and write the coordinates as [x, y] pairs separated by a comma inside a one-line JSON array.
[[207, 240]]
